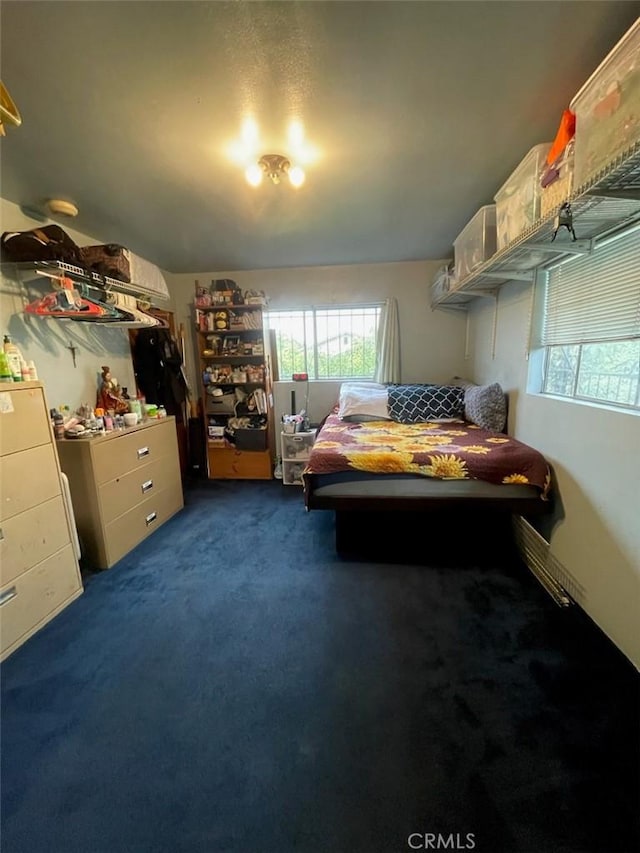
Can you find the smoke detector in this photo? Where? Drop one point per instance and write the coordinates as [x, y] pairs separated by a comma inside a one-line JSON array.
[[59, 207]]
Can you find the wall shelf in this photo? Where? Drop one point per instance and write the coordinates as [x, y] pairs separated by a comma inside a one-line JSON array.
[[610, 201], [34, 270]]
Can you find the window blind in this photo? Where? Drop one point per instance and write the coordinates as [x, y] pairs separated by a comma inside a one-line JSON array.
[[595, 298]]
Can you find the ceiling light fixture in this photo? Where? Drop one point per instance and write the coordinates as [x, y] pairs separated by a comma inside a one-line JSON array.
[[275, 166]]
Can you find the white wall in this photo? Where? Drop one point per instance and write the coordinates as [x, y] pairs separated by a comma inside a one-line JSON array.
[[432, 343], [46, 341], [595, 452]]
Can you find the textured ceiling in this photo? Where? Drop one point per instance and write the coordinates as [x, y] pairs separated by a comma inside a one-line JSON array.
[[418, 112]]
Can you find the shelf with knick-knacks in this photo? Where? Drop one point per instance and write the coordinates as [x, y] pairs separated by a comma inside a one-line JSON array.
[[234, 369]]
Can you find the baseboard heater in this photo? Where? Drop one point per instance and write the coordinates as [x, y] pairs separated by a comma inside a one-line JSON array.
[[535, 552]]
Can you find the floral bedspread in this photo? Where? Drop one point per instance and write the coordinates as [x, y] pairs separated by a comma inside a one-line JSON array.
[[457, 450]]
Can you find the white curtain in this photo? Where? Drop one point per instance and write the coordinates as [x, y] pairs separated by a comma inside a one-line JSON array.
[[388, 344]]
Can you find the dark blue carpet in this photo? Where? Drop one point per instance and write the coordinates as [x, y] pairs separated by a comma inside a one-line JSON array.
[[233, 685]]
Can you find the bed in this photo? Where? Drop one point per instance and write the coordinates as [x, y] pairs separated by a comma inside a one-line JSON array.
[[420, 458]]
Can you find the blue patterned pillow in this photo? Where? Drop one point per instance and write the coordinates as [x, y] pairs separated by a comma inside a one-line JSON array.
[[414, 404]]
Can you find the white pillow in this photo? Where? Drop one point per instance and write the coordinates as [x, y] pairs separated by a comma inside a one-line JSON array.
[[362, 401]]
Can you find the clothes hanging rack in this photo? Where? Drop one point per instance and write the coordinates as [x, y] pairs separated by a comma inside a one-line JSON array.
[[71, 299], [30, 270]]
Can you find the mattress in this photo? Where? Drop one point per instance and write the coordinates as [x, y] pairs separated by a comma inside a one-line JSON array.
[[356, 484]]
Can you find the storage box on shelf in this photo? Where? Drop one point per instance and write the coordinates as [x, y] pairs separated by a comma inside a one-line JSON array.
[[610, 203], [296, 449], [234, 368], [607, 109], [606, 193], [442, 282], [518, 199], [476, 243], [555, 194]]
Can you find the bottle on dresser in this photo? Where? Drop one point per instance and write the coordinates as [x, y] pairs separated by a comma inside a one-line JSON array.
[[5, 369], [14, 358]]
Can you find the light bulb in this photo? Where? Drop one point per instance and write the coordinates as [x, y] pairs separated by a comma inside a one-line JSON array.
[[254, 175], [296, 176], [296, 133], [249, 133]]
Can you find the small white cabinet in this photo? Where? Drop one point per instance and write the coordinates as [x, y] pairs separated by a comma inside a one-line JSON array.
[[296, 449]]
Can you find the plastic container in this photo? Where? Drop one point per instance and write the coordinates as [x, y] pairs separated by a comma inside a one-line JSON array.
[[476, 243], [135, 408], [443, 282], [518, 199], [555, 194], [607, 109], [5, 369], [14, 358]]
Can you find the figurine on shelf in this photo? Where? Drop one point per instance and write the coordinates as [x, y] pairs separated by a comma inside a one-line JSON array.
[[110, 395]]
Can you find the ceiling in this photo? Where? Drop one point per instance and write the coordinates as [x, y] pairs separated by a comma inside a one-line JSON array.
[[417, 112]]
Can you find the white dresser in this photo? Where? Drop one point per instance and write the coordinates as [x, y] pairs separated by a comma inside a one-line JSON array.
[[39, 572], [124, 485]]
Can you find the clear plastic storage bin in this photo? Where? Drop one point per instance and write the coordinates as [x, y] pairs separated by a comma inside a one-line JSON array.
[[607, 108], [476, 243], [443, 282], [296, 449], [518, 199], [555, 194]]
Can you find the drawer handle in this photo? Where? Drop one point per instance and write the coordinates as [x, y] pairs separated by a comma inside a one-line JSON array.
[[146, 486], [7, 595], [143, 451], [1, 534], [151, 518]]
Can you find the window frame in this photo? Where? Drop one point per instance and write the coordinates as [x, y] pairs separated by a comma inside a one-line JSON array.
[[540, 354], [311, 352]]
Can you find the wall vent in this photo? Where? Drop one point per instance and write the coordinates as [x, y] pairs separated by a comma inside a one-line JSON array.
[[536, 554]]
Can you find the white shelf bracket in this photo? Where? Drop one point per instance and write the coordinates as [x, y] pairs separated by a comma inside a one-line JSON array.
[[512, 275], [629, 194], [576, 247], [494, 333]]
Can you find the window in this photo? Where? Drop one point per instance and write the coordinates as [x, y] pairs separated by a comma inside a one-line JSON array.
[[591, 325], [337, 342]]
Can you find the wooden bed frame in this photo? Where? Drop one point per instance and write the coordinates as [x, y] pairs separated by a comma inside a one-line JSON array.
[[350, 511]]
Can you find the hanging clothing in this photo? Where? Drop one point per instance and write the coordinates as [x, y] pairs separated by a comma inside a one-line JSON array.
[[157, 365]]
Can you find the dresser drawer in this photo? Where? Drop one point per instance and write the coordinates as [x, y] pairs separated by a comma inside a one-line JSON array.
[[122, 494], [129, 529], [31, 536], [33, 597], [125, 453], [26, 426], [227, 463], [27, 478]]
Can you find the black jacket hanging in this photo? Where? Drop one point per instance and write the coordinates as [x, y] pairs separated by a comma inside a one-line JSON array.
[[158, 368]]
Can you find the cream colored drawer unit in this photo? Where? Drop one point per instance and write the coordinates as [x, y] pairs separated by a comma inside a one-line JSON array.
[[35, 596], [31, 536], [134, 450], [26, 427], [27, 478], [124, 485], [39, 572]]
